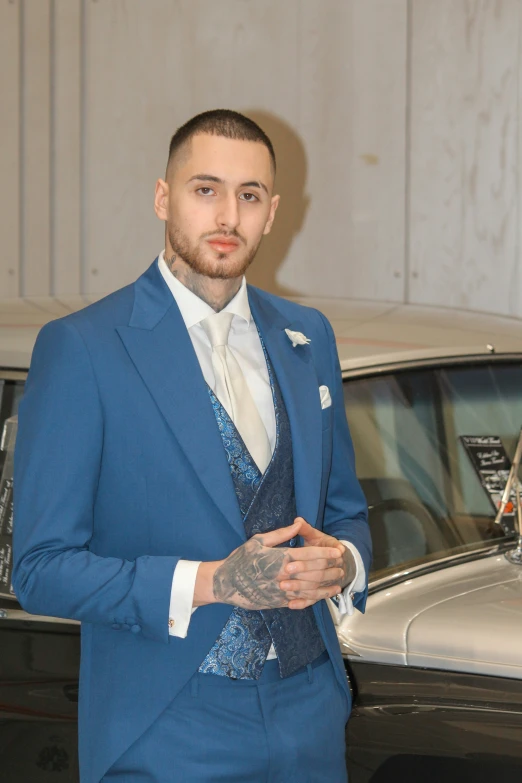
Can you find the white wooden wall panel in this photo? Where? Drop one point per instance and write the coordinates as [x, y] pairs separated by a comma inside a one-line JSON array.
[[396, 185], [66, 108], [9, 148], [35, 258], [352, 89], [261, 80], [243, 54], [464, 126], [182, 58], [128, 46]]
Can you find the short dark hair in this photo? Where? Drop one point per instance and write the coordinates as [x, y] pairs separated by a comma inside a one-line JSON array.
[[221, 122]]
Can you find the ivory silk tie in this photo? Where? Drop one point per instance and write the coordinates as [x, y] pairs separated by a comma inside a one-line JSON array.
[[232, 390]]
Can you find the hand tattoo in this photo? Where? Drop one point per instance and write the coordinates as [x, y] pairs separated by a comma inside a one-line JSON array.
[[248, 577]]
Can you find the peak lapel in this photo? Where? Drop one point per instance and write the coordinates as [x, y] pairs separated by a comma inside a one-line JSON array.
[[159, 345], [299, 386]]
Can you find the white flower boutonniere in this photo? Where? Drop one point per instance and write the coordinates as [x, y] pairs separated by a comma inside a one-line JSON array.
[[297, 338]]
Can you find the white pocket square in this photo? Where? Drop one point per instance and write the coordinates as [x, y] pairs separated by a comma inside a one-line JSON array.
[[326, 400]]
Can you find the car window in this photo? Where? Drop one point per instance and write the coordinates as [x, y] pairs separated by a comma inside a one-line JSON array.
[[10, 396], [426, 497]]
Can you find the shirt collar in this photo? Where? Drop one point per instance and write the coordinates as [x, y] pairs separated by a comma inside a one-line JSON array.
[[192, 308]]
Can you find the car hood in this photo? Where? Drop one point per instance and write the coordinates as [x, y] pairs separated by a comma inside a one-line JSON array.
[[465, 618]]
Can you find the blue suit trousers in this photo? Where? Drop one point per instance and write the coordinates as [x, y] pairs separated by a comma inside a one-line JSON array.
[[271, 730]]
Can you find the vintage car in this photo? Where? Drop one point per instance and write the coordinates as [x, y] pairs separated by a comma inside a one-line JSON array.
[[434, 402]]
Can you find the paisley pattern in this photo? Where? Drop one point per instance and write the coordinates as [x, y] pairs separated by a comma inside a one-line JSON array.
[[241, 649], [245, 473], [266, 502]]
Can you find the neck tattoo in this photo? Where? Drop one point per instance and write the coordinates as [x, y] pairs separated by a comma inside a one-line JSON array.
[[201, 286]]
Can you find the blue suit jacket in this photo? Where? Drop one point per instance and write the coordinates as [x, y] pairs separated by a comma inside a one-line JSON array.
[[120, 471]]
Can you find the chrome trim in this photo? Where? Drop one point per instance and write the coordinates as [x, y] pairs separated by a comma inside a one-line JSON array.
[[438, 565], [515, 556], [22, 616], [433, 363], [348, 651]]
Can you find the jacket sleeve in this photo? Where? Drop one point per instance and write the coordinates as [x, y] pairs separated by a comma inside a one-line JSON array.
[[57, 464], [346, 510]]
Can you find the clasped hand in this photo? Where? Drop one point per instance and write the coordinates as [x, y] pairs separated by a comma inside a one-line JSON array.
[[260, 574]]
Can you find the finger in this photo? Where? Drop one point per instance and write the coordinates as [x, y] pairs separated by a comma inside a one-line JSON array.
[[296, 568], [326, 554], [303, 602], [306, 567], [306, 529], [316, 572], [300, 603], [313, 595], [310, 589], [316, 537], [313, 579], [279, 536], [299, 589]]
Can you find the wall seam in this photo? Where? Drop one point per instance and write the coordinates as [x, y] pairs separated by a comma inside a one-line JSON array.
[[83, 150], [407, 156], [52, 149], [516, 305], [21, 169]]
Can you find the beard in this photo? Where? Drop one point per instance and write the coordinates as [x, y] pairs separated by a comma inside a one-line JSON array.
[[221, 266]]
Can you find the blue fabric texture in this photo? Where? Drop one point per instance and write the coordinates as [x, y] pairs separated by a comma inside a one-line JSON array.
[[266, 502], [248, 731], [120, 471]]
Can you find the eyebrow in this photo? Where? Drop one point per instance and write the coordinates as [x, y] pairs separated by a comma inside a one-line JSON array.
[[212, 178]]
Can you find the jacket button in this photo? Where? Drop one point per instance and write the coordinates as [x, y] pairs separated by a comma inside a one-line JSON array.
[[116, 626], [135, 628], [125, 626], [293, 541]]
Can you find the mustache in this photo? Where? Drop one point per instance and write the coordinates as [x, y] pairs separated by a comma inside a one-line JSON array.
[[225, 234]]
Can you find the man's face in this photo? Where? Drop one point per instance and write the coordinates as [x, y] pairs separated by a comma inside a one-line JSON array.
[[217, 203]]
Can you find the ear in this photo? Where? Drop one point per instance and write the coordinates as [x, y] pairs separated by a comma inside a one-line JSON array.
[[273, 206], [161, 199]]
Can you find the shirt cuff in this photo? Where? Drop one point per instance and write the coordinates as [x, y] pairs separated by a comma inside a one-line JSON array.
[[356, 586], [182, 597]]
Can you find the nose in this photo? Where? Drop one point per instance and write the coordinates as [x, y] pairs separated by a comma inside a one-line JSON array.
[[228, 215]]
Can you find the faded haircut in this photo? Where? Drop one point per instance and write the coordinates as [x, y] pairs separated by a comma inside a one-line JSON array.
[[221, 122]]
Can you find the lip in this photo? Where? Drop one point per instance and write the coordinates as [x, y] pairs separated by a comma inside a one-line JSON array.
[[223, 244]]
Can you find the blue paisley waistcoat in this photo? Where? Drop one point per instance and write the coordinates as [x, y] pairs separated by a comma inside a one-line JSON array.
[[266, 502]]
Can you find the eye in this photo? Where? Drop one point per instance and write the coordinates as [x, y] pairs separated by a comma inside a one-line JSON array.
[[249, 197], [205, 191]]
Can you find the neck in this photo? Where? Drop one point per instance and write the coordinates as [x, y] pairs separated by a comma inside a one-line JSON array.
[[214, 291]]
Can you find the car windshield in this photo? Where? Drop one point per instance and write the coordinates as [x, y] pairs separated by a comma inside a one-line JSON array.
[[433, 447]]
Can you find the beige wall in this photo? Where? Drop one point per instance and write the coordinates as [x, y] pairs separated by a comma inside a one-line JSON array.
[[396, 123]]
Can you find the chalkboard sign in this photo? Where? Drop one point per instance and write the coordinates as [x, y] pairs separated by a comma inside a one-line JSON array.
[[492, 465], [6, 507], [7, 444]]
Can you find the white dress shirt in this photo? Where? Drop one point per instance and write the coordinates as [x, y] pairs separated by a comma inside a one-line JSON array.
[[246, 346]]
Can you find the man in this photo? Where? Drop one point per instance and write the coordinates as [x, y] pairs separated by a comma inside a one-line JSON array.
[[184, 482]]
